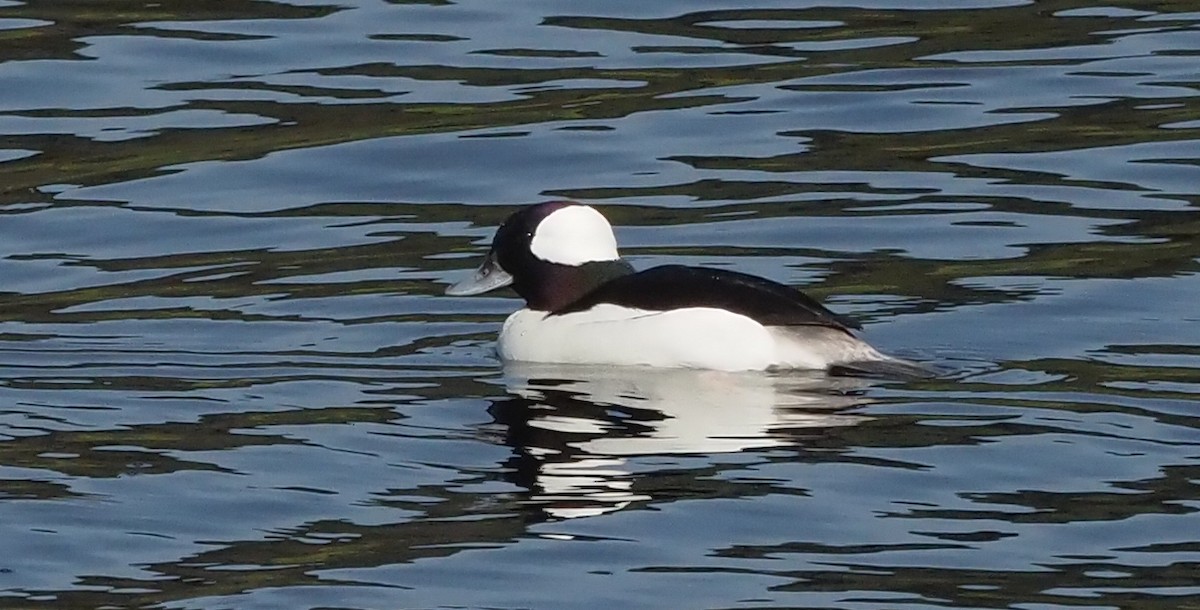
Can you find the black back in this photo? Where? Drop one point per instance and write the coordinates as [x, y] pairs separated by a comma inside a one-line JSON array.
[[677, 286]]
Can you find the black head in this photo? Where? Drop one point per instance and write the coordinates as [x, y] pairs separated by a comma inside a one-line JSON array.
[[551, 253]]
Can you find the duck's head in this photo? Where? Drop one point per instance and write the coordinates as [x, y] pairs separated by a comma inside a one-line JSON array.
[[551, 254]]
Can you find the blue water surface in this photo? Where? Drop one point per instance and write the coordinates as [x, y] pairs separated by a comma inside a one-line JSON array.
[[229, 379]]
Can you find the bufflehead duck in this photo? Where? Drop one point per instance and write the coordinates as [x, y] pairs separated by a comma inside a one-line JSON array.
[[586, 305]]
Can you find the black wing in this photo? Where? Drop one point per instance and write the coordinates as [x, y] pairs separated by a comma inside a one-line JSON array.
[[677, 286]]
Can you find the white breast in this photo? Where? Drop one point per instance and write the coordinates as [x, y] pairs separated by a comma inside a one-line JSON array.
[[696, 337]]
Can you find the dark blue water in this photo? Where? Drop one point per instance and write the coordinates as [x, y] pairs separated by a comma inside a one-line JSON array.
[[228, 378]]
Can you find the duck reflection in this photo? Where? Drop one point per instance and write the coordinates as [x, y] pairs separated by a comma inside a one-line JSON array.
[[581, 433]]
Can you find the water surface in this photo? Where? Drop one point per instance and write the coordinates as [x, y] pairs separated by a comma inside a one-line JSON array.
[[228, 378]]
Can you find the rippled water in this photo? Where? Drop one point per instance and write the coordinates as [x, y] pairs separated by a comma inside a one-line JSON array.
[[228, 378]]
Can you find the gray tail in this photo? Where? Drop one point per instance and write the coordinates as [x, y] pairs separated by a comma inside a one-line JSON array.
[[890, 368]]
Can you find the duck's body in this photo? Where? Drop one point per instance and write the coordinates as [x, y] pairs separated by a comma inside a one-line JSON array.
[[587, 306], [692, 337]]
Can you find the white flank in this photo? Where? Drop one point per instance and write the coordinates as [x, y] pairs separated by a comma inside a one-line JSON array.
[[574, 235], [818, 347], [694, 337]]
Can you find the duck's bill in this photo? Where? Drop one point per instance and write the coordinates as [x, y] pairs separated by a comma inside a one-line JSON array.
[[489, 276]]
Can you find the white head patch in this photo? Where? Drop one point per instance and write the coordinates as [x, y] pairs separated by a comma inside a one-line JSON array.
[[574, 235]]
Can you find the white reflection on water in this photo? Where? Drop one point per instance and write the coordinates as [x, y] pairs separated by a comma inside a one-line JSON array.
[[593, 420]]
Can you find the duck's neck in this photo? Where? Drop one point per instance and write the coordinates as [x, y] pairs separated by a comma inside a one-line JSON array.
[[553, 287]]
